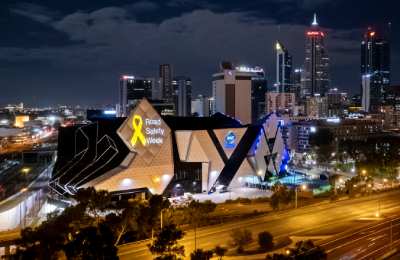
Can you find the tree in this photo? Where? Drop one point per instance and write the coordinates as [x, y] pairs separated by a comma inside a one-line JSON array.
[[174, 216], [92, 243], [197, 213], [220, 251], [332, 181], [124, 219], [166, 245], [352, 186], [282, 196], [96, 202], [48, 239], [324, 155], [265, 240], [322, 137], [150, 214], [199, 254], [241, 238], [369, 182], [304, 250]]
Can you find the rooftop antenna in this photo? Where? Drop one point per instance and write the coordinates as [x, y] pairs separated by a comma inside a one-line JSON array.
[[315, 19]]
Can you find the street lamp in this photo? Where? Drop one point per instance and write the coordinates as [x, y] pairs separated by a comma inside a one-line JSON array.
[[391, 230], [161, 217], [302, 187], [26, 173]]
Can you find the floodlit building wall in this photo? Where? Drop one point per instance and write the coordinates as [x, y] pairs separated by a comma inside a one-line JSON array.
[[19, 120]]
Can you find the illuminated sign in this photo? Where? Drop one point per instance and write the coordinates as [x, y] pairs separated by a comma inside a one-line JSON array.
[[109, 112], [129, 77], [144, 131], [153, 129], [333, 120], [230, 138], [312, 33], [245, 69], [138, 131], [372, 34]]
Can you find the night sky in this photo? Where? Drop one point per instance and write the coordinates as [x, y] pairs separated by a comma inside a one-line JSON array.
[[74, 52]]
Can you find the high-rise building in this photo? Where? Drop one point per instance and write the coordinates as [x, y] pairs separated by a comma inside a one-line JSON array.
[[318, 107], [335, 96], [232, 92], [203, 106], [392, 97], [165, 83], [236, 91], [258, 90], [315, 77], [295, 84], [283, 69], [282, 103], [366, 93], [182, 95], [375, 62], [132, 89]]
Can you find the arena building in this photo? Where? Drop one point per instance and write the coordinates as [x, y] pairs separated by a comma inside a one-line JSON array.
[[146, 154]]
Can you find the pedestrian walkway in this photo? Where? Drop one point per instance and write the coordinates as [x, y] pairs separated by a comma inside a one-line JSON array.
[[24, 205]]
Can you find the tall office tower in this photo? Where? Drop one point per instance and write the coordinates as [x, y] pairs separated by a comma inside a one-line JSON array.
[[366, 93], [207, 106], [295, 84], [182, 95], [375, 61], [283, 69], [165, 83], [133, 89], [315, 78], [232, 93], [258, 90]]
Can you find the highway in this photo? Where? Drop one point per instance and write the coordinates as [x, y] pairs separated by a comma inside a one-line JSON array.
[[367, 242], [310, 222]]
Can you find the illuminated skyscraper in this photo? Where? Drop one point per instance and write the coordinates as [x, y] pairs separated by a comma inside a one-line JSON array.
[[283, 69], [182, 95], [133, 89], [375, 64], [315, 74], [165, 83]]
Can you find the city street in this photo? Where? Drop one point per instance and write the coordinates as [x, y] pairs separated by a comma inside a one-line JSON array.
[[310, 222]]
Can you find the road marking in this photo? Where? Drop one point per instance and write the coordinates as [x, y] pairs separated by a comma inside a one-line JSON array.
[[378, 250], [363, 229], [263, 221], [371, 244], [357, 240], [375, 238]]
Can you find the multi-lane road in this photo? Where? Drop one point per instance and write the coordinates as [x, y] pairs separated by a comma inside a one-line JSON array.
[[316, 222]]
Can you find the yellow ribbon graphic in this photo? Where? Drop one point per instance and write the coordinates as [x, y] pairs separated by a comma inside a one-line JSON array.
[[138, 131]]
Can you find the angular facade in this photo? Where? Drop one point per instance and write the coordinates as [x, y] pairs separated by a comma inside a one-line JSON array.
[[146, 154]]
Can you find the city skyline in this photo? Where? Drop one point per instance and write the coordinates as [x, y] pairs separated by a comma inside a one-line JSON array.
[[75, 55]]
